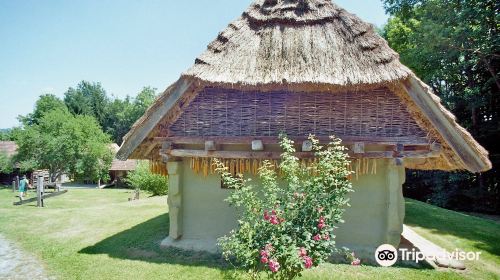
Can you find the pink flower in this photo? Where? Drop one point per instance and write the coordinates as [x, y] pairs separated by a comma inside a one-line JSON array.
[[273, 212], [356, 262], [266, 216], [321, 223], [317, 237], [274, 265], [274, 220], [264, 253], [327, 236], [307, 262], [264, 260], [302, 252]]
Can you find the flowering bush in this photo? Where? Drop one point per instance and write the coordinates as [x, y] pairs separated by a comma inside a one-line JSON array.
[[287, 225], [351, 257]]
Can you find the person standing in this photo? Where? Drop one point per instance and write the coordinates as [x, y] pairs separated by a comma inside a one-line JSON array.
[[23, 185]]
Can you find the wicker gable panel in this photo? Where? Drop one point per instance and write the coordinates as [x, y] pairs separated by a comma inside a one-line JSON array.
[[224, 112]]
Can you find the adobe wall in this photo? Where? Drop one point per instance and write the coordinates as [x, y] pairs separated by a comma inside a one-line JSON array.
[[199, 214]]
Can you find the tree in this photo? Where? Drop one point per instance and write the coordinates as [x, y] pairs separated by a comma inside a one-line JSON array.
[[454, 46], [64, 143], [88, 99], [118, 118], [122, 114], [6, 135], [44, 104], [404, 8], [144, 99]]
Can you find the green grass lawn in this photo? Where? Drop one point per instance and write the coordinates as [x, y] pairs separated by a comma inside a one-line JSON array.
[[98, 234]]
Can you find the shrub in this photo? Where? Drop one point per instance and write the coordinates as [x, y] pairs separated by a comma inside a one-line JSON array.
[[286, 229], [142, 178]]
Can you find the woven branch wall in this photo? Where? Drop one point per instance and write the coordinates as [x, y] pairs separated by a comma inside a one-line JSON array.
[[223, 112]]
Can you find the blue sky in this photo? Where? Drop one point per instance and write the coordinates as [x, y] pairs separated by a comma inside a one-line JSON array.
[[48, 46]]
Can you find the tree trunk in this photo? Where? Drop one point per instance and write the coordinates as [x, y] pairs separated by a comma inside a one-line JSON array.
[[493, 74]]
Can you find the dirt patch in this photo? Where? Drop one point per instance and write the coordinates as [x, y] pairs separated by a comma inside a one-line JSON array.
[[16, 264]]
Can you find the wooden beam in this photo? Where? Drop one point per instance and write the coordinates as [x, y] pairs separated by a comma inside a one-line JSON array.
[[448, 129], [419, 154], [436, 147], [359, 147], [257, 145], [210, 145], [232, 154], [401, 155], [33, 199], [151, 118], [277, 155], [243, 140]]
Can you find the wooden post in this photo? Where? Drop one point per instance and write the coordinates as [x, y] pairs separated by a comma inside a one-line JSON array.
[[257, 145], [359, 148], [175, 199], [395, 203], [39, 191], [210, 146], [307, 146], [17, 182], [14, 186]]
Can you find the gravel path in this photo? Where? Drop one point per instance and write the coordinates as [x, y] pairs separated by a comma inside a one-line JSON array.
[[16, 264]]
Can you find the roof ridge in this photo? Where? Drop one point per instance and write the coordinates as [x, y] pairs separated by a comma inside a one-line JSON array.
[[292, 11]]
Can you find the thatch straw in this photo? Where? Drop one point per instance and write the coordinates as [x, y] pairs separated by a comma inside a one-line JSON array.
[[285, 41], [8, 147], [308, 46]]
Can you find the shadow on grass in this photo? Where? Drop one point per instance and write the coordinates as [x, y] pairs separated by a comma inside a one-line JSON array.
[[481, 233], [142, 242]]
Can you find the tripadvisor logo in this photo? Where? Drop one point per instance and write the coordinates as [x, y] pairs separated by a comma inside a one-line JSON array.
[[386, 255]]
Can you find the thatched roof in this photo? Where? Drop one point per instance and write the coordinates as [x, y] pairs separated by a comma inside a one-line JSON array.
[[312, 41], [308, 45], [8, 147], [123, 165]]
